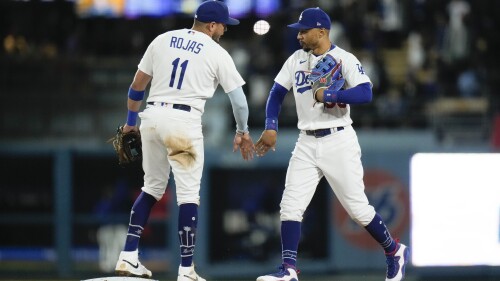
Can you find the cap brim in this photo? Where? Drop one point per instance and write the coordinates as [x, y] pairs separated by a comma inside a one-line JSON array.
[[299, 26], [231, 21]]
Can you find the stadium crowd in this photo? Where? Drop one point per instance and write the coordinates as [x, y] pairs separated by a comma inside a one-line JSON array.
[[415, 51]]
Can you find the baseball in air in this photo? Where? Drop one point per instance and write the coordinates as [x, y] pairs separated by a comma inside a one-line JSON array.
[[261, 27]]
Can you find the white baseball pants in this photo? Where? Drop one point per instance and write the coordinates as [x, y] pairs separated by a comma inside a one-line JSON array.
[[172, 138], [338, 158]]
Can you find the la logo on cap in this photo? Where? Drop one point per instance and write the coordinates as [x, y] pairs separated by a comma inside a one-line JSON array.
[[312, 18]]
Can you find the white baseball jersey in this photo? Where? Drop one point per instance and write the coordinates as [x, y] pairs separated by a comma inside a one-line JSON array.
[[187, 66], [336, 156], [312, 115]]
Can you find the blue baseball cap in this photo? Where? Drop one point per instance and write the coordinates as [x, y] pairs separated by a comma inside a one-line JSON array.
[[312, 18], [214, 11]]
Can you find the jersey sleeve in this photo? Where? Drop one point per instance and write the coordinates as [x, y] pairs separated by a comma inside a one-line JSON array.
[[228, 76], [284, 77], [146, 64], [353, 72]]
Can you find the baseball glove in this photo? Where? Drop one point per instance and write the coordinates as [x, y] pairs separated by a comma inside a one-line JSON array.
[[128, 146], [325, 74]]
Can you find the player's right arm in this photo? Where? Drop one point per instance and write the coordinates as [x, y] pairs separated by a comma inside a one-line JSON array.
[[268, 138], [231, 81], [242, 139]]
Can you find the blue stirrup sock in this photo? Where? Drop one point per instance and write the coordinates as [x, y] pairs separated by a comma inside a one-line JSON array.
[[188, 221], [138, 219], [381, 234], [290, 236]]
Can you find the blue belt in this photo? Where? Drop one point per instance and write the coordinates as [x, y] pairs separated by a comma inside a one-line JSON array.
[[319, 133], [175, 106]]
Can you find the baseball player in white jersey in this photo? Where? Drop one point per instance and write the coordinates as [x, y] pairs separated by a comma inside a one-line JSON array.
[[184, 67], [327, 145]]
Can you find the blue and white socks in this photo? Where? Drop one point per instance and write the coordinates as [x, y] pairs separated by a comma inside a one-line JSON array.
[[188, 221], [138, 219], [290, 236], [381, 234]]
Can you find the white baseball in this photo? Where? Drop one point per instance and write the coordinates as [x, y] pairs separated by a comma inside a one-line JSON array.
[[261, 27]]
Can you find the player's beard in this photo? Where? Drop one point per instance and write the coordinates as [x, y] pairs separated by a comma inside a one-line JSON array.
[[304, 46], [216, 36], [309, 47]]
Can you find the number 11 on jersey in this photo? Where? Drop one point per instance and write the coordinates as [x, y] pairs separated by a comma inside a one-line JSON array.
[[175, 63]]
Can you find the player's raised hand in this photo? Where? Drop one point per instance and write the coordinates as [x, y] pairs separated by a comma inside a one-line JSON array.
[[244, 143], [266, 141]]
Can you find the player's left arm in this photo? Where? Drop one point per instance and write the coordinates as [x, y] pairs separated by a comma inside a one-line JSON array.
[[136, 94], [352, 74], [359, 94]]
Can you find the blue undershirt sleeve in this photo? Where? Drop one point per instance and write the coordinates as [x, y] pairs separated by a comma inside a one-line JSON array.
[[273, 106], [359, 94]]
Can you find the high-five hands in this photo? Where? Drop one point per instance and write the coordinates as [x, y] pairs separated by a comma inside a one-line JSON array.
[[244, 143], [266, 141]]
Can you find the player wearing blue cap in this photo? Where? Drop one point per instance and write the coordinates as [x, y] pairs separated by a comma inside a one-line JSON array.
[[327, 145], [184, 67]]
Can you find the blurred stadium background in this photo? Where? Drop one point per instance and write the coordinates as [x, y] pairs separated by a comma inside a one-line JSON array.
[[66, 65]]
